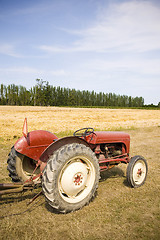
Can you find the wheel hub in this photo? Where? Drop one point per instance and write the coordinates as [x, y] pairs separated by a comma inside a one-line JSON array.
[[78, 179], [139, 173], [74, 179]]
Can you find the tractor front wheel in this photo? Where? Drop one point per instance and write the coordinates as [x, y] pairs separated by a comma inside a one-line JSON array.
[[70, 178], [137, 171]]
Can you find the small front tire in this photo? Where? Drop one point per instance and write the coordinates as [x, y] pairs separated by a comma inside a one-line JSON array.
[[137, 171]]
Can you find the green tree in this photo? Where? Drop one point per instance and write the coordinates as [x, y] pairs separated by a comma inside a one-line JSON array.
[[39, 93], [2, 98]]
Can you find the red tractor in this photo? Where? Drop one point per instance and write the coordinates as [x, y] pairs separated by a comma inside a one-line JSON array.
[[69, 168]]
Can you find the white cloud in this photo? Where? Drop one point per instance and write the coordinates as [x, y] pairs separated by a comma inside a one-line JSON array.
[[55, 49], [21, 70], [140, 66], [57, 73], [30, 70], [8, 49], [129, 26]]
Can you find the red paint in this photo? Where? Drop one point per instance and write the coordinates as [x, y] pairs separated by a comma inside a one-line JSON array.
[[109, 137], [40, 145], [35, 143], [25, 128]]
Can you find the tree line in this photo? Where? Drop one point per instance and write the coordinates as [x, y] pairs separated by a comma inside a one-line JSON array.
[[43, 94]]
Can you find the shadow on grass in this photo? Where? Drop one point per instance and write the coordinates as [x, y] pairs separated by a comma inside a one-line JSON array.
[[17, 197], [115, 172]]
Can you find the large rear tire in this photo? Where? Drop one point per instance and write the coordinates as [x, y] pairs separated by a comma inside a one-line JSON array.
[[70, 178], [20, 167]]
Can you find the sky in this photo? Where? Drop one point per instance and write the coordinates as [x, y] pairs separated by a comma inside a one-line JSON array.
[[101, 45]]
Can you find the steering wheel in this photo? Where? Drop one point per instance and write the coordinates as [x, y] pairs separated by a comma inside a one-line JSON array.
[[83, 132]]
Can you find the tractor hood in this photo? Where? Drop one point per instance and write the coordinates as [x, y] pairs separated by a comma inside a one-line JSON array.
[[110, 137], [105, 137]]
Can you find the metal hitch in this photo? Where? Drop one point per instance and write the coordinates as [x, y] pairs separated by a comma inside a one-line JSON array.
[[8, 188]]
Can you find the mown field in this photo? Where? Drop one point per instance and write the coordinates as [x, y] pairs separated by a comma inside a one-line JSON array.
[[118, 212]]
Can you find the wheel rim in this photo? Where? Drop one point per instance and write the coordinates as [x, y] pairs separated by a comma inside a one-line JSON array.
[[76, 179], [28, 167], [139, 172]]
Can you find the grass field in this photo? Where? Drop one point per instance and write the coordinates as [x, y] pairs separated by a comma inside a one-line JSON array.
[[118, 212]]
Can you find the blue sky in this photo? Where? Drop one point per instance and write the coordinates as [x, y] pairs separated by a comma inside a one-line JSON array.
[[102, 45]]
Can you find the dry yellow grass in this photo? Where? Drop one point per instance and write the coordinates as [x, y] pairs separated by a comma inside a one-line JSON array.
[[63, 121], [118, 212]]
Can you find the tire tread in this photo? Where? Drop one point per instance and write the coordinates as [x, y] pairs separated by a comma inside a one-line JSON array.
[[54, 163], [12, 166]]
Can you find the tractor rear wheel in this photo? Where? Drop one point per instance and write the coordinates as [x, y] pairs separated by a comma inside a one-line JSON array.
[[20, 167], [70, 178], [137, 171]]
